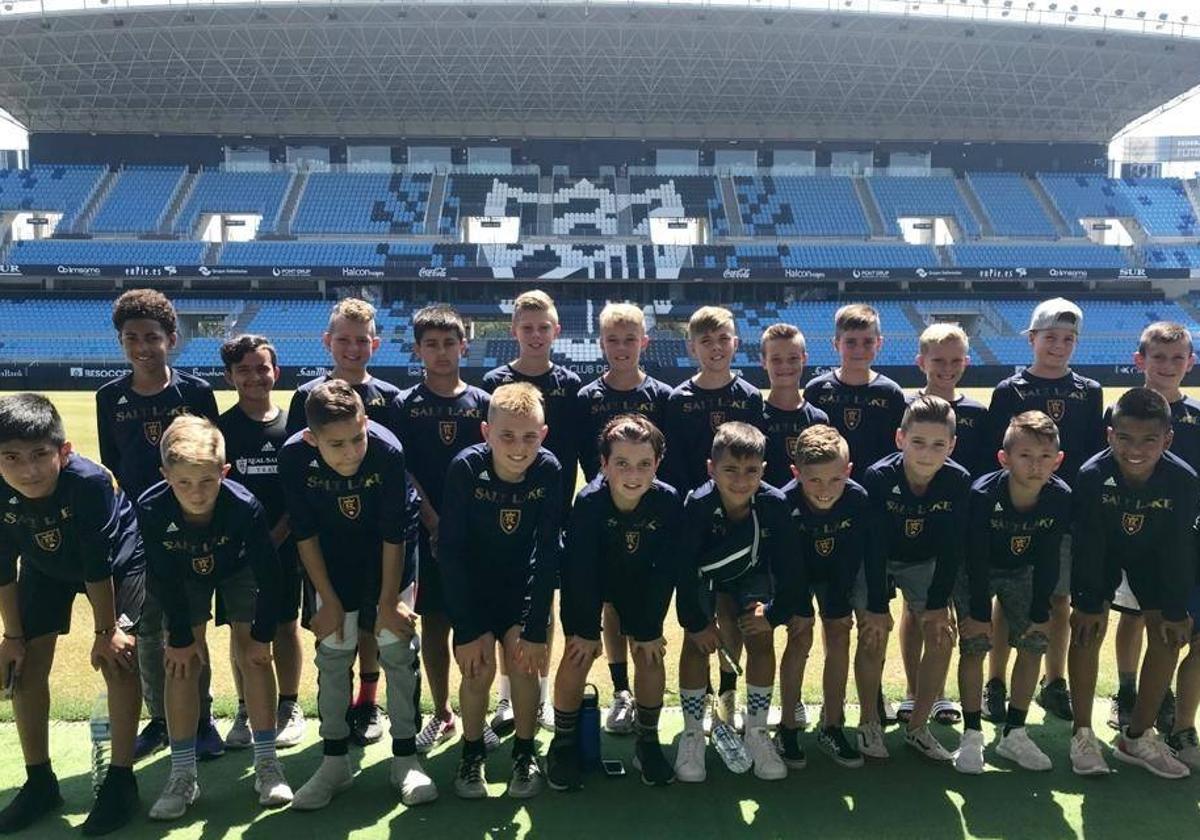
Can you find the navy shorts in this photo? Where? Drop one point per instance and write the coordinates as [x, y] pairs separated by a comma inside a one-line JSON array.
[[45, 602]]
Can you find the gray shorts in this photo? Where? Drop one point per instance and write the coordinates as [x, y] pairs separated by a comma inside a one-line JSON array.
[[856, 598], [913, 581], [1063, 589], [239, 598], [1014, 590]]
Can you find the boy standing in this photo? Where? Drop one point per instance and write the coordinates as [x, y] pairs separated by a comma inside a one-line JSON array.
[[785, 413], [346, 493], [740, 565], [619, 543], [1075, 404], [132, 413], [439, 417], [498, 552], [1018, 517], [73, 532], [623, 389], [1135, 506], [922, 496], [204, 534], [255, 430]]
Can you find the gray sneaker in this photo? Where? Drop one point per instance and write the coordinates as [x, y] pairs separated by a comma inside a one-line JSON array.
[[332, 776], [181, 791], [620, 714], [270, 784], [471, 780], [239, 736], [526, 781], [922, 741], [290, 725]]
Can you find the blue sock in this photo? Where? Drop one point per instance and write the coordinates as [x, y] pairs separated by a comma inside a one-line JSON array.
[[264, 745], [183, 756]]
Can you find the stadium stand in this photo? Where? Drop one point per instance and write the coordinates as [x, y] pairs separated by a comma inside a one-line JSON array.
[[1172, 256], [690, 196], [1038, 256], [584, 206], [899, 196], [343, 202], [490, 195], [138, 200], [800, 206], [353, 254], [767, 257], [1161, 205], [58, 189], [1009, 204], [260, 193], [107, 252]]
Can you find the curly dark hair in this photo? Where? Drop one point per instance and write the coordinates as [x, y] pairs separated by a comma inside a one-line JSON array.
[[148, 304]]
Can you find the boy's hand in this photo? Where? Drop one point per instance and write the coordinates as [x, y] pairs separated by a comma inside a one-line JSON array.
[[178, 660], [707, 640], [581, 651], [649, 653], [754, 620], [117, 648], [258, 653], [531, 656], [477, 656], [798, 625], [329, 620], [1086, 628], [969, 628], [1176, 634], [937, 627], [397, 618], [12, 655], [873, 630]]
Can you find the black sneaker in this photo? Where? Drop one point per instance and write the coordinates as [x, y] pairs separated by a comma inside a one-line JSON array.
[[787, 744], [648, 758], [1120, 708], [1164, 722], [995, 701], [563, 769], [832, 741], [151, 739], [1056, 699], [365, 724], [116, 804], [33, 801]]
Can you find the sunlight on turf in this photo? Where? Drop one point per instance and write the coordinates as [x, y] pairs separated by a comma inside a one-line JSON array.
[[959, 801], [749, 809]]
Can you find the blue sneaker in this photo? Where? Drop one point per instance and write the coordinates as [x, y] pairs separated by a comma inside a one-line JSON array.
[[209, 743], [151, 739]]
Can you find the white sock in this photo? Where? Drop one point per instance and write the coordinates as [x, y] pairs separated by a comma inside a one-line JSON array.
[[544, 688], [505, 688], [758, 704]]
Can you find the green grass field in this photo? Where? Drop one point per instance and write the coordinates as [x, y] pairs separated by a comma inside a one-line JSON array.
[[908, 797]]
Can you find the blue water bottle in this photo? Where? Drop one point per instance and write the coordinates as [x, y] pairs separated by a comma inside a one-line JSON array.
[[589, 729]]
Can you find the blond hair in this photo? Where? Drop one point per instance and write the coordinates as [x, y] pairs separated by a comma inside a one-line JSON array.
[[782, 332], [615, 314], [1163, 332], [1035, 424], [855, 316], [820, 444], [192, 440], [708, 319], [535, 300], [521, 399], [940, 333], [355, 310]]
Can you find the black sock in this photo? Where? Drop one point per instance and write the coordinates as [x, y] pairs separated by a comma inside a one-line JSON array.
[[521, 747], [1015, 719], [565, 722], [474, 748], [115, 771], [646, 722], [973, 720], [728, 681], [39, 773], [620, 675], [404, 746], [1127, 681], [286, 698], [336, 746]]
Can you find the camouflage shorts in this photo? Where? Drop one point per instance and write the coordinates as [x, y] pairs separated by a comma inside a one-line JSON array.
[[1015, 592]]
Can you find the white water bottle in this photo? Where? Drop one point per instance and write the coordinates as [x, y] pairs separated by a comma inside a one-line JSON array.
[[101, 730]]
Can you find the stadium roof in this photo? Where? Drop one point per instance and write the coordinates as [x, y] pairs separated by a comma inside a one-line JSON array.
[[688, 69]]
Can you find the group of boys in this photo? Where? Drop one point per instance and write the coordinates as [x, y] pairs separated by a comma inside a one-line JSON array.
[[363, 507]]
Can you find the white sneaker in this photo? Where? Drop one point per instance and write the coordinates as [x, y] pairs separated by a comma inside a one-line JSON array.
[[180, 791], [1019, 747], [410, 778], [922, 741], [546, 715], [767, 763], [239, 736], [870, 741], [620, 714], [270, 784], [968, 758], [437, 731], [1150, 752], [332, 776], [1086, 757], [729, 711], [689, 757], [290, 725]]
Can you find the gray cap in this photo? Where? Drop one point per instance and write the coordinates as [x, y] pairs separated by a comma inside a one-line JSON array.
[[1056, 313]]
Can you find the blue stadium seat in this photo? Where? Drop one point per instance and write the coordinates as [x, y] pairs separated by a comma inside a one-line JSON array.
[[489, 195], [691, 196], [1010, 205], [138, 200], [339, 202], [785, 205], [1038, 256], [920, 196], [58, 189], [106, 252], [258, 193]]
